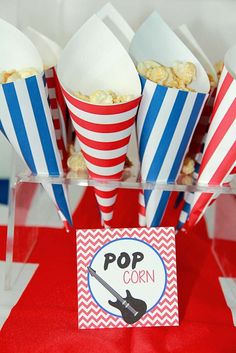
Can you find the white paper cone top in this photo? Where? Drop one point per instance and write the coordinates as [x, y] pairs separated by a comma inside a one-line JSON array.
[[188, 39], [230, 61], [48, 49], [155, 40], [118, 25], [95, 59], [17, 52]]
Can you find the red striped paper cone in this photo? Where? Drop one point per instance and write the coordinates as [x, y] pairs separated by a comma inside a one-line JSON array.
[[142, 212], [219, 154], [104, 132], [93, 60], [59, 113]]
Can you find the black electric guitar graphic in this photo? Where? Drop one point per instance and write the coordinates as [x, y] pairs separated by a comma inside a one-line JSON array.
[[131, 309]]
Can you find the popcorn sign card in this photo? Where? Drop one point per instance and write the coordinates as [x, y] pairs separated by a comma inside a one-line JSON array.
[[126, 278]]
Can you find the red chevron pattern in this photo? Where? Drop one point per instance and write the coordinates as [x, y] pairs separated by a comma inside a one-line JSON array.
[[104, 133], [90, 315]]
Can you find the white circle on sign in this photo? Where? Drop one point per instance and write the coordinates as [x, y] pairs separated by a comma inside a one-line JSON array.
[[145, 278]]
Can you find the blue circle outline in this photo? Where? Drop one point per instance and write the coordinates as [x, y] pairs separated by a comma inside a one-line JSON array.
[[141, 241]]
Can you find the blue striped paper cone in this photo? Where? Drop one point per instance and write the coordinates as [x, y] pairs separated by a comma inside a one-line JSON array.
[[2, 130], [27, 122], [166, 121], [188, 195]]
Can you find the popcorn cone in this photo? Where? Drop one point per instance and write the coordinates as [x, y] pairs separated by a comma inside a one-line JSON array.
[[50, 53], [167, 117], [25, 113], [219, 155], [103, 131]]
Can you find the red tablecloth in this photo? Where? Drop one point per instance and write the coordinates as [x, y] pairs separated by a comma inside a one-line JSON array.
[[45, 318]]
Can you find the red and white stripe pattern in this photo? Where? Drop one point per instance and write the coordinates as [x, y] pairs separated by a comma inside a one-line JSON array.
[[165, 313], [219, 154], [104, 133], [142, 212], [59, 113]]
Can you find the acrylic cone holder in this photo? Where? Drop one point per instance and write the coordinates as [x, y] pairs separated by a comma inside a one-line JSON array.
[[23, 232], [103, 131]]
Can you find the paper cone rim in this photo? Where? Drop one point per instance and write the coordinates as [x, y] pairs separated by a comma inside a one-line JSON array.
[[228, 61], [102, 105], [40, 74], [173, 88], [140, 48]]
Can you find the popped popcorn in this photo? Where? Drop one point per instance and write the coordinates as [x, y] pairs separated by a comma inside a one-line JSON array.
[[219, 67], [77, 165], [13, 75], [213, 83], [179, 76], [186, 180], [76, 162], [104, 97], [187, 171], [185, 72], [188, 166]]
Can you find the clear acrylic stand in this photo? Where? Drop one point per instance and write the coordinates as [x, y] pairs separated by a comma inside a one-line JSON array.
[[31, 208]]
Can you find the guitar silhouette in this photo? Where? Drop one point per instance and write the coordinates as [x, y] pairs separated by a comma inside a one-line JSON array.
[[131, 309]]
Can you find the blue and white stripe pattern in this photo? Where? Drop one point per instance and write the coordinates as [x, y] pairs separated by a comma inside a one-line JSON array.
[[27, 122], [188, 196], [166, 121]]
